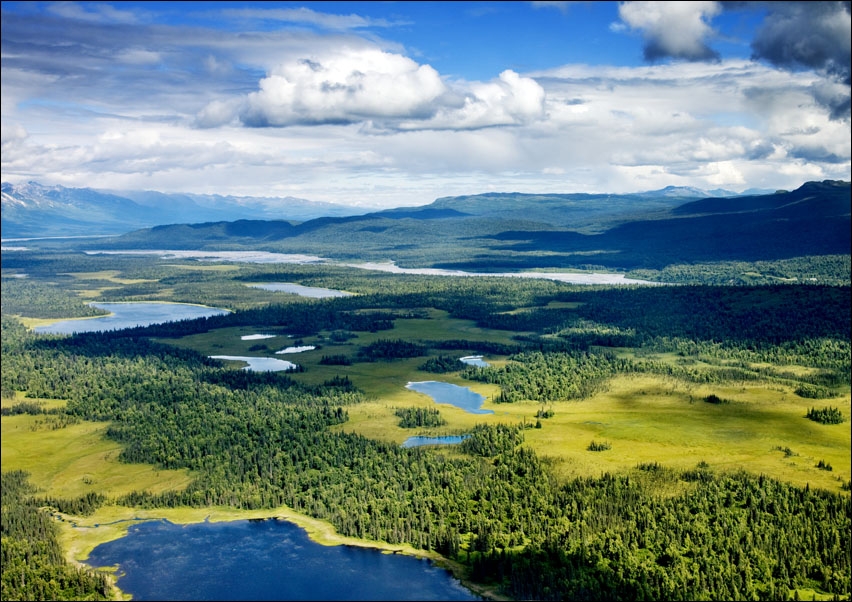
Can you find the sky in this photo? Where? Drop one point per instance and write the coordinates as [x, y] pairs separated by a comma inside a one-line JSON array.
[[388, 104]]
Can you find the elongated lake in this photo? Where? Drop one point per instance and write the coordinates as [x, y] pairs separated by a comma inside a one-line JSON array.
[[420, 441], [461, 397], [258, 364], [129, 315], [313, 292], [263, 560]]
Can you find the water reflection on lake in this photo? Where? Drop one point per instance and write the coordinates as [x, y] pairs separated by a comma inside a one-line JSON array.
[[446, 440], [263, 560], [461, 397], [129, 315], [259, 364], [313, 292]]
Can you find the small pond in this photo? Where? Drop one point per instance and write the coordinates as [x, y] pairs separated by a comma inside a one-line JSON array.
[[298, 349], [263, 560], [257, 337], [461, 397], [474, 360], [130, 315]]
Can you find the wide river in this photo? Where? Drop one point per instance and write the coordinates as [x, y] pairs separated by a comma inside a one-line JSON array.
[[263, 560], [386, 266]]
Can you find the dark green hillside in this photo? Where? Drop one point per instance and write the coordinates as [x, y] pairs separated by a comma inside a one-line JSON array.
[[828, 198], [766, 229], [506, 232], [588, 213]]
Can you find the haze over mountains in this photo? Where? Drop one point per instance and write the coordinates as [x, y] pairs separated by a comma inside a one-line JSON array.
[[34, 210]]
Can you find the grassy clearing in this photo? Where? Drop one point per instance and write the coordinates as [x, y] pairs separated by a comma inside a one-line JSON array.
[[77, 459], [652, 419], [47, 404]]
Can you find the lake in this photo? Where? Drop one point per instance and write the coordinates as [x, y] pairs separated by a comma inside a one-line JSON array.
[[129, 315], [263, 560], [461, 397], [258, 364], [236, 256], [313, 292], [446, 440]]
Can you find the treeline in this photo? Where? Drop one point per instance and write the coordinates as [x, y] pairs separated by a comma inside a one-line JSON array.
[[419, 417], [34, 567], [387, 349], [442, 364], [36, 299], [551, 376]]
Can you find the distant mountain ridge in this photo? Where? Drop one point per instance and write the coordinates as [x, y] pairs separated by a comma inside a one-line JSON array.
[[509, 231], [34, 210]]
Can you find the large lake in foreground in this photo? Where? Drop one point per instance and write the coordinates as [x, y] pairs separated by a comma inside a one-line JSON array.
[[129, 315], [263, 560]]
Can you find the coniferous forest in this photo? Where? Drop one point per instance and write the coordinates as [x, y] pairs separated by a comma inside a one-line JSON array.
[[497, 504]]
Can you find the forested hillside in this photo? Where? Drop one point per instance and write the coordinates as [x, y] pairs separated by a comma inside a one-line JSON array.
[[501, 504]]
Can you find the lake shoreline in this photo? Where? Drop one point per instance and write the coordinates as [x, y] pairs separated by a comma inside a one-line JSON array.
[[81, 535]]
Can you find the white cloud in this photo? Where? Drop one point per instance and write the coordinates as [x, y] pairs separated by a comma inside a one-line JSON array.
[[672, 29], [306, 15], [508, 100], [345, 86], [96, 12], [382, 90]]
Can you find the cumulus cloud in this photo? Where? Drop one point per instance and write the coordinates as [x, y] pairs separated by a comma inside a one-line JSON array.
[[793, 36], [807, 34], [672, 29], [382, 90], [508, 100], [344, 87]]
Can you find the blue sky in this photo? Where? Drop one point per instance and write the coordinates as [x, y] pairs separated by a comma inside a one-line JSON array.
[[398, 103]]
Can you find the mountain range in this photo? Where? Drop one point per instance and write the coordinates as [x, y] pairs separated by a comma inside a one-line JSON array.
[[34, 210], [511, 231]]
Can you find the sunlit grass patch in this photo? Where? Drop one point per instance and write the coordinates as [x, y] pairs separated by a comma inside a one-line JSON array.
[[108, 275], [652, 419], [77, 459]]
